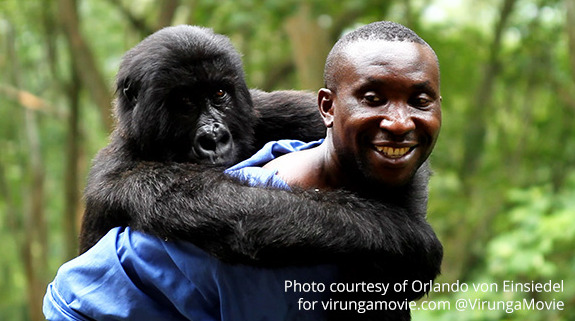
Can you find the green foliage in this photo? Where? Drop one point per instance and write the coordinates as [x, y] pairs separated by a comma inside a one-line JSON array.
[[540, 225], [535, 246]]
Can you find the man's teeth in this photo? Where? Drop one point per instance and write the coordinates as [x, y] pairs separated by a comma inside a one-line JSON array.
[[392, 152]]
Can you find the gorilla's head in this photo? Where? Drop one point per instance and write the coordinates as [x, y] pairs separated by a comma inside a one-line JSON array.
[[181, 96]]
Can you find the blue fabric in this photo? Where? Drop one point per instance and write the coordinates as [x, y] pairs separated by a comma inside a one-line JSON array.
[[250, 170], [129, 275]]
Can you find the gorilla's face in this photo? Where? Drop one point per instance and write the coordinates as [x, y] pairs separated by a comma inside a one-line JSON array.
[[202, 118], [182, 97]]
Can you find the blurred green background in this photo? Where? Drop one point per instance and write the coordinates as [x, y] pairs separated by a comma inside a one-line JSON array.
[[503, 194]]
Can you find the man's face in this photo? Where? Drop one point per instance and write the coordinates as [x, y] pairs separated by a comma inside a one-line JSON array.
[[386, 109]]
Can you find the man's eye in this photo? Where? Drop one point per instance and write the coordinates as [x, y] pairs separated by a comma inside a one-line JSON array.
[[372, 99], [420, 102]]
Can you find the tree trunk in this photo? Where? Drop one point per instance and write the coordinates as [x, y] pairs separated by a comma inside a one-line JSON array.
[[474, 144], [72, 186], [566, 96], [477, 125], [167, 12], [309, 46], [570, 27], [35, 241], [84, 61], [32, 242]]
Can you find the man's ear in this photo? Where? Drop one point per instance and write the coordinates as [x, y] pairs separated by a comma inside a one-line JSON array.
[[325, 103]]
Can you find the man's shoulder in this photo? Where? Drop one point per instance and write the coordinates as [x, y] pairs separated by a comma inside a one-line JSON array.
[[251, 170], [273, 150]]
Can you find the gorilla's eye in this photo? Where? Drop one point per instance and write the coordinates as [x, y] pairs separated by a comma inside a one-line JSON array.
[[219, 94], [220, 97]]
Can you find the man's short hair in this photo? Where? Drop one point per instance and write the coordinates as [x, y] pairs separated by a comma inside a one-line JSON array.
[[380, 30]]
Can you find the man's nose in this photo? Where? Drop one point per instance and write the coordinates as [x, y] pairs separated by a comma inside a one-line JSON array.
[[397, 120]]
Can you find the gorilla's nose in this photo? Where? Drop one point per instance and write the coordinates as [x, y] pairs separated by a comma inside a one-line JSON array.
[[213, 142]]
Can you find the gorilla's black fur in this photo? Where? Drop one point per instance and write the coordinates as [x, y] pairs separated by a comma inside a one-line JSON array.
[[182, 107]]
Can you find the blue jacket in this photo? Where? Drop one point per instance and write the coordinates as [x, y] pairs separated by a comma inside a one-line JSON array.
[[130, 275]]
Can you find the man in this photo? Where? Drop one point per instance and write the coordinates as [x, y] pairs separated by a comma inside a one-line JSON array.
[[381, 105], [382, 108]]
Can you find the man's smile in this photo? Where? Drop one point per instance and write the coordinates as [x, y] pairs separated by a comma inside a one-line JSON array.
[[392, 152]]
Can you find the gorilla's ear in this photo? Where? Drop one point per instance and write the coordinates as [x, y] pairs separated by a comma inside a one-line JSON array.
[[130, 92]]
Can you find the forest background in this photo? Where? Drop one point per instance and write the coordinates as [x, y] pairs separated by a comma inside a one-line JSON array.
[[503, 194]]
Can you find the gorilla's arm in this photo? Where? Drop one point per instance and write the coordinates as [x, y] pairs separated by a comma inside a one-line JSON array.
[[252, 225]]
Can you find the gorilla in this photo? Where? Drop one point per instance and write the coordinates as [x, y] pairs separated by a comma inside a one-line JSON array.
[[184, 113]]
